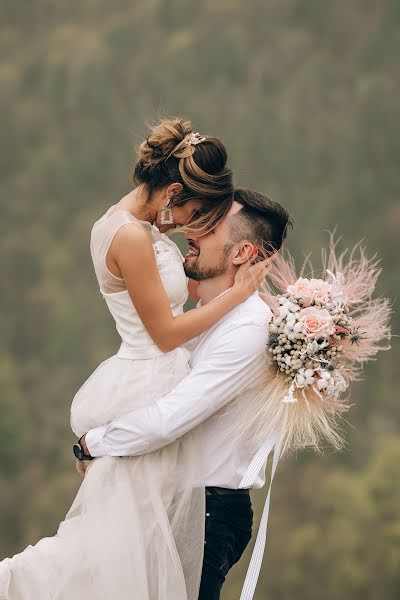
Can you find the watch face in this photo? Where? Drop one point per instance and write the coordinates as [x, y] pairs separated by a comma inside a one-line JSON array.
[[78, 452]]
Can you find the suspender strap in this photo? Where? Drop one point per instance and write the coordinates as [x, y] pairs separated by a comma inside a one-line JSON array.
[[256, 465]]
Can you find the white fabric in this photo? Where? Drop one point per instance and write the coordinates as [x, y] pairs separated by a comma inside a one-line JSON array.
[[136, 526], [169, 260], [102, 235], [226, 360]]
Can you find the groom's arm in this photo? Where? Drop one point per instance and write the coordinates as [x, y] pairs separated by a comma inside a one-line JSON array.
[[231, 363]]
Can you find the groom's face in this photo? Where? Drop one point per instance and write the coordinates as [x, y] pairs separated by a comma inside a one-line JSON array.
[[208, 255]]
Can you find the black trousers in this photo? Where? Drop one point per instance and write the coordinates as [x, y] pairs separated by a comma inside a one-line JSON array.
[[229, 520]]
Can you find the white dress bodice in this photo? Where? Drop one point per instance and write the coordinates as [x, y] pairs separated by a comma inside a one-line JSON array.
[[139, 364], [136, 342]]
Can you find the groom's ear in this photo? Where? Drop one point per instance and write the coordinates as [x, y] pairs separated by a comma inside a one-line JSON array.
[[242, 253]]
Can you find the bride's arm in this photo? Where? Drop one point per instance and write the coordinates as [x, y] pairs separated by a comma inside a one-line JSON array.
[[132, 252]]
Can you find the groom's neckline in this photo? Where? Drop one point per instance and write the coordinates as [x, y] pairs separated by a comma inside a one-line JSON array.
[[212, 299]]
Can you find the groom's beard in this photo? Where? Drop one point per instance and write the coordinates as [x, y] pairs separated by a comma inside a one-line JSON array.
[[195, 271]]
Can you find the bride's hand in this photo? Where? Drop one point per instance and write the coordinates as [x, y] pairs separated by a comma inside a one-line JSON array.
[[249, 277], [80, 467]]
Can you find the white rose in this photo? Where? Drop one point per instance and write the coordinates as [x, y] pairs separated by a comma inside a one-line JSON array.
[[322, 291]]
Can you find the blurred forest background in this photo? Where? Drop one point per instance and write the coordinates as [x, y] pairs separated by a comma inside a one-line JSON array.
[[305, 94]]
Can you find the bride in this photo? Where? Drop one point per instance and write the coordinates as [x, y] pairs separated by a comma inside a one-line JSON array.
[[135, 528]]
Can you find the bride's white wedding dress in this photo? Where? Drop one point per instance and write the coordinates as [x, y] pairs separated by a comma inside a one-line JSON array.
[[135, 530]]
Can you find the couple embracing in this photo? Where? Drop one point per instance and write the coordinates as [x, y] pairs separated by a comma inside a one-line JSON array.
[[164, 509]]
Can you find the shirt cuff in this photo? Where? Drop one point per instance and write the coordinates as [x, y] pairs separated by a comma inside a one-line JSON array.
[[94, 441]]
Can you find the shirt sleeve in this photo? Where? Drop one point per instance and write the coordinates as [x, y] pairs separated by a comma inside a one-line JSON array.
[[228, 368]]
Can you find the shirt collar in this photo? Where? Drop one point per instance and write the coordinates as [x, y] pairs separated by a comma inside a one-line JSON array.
[[219, 296]]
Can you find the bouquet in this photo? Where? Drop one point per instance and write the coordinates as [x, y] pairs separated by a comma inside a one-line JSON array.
[[311, 335], [323, 329]]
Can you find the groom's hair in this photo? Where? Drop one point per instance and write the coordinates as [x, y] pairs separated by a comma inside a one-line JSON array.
[[261, 221]]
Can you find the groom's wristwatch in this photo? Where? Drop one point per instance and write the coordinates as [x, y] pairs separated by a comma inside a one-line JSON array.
[[79, 452]]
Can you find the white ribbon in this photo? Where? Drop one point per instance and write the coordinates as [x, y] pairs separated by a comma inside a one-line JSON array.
[[248, 479]]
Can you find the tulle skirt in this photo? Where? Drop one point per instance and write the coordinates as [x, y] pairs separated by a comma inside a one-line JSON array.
[[136, 527]]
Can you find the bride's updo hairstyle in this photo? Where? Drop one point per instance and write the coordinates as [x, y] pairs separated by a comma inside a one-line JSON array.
[[173, 153]]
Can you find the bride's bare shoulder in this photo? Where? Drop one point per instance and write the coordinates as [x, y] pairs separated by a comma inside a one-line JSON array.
[[131, 237]]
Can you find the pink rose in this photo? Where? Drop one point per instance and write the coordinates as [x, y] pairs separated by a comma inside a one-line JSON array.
[[302, 289], [311, 290], [317, 323]]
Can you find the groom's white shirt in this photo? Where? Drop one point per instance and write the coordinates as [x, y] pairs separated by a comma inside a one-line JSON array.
[[225, 360]]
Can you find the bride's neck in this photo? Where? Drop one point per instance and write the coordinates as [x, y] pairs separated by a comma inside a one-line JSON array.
[[136, 203]]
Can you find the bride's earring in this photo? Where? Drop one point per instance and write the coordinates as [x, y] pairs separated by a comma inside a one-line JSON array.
[[167, 218]]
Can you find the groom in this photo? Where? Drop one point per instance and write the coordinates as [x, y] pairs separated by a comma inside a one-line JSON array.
[[225, 361]]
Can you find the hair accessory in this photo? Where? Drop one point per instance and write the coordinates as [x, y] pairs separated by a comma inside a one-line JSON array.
[[167, 218], [191, 139], [194, 138]]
